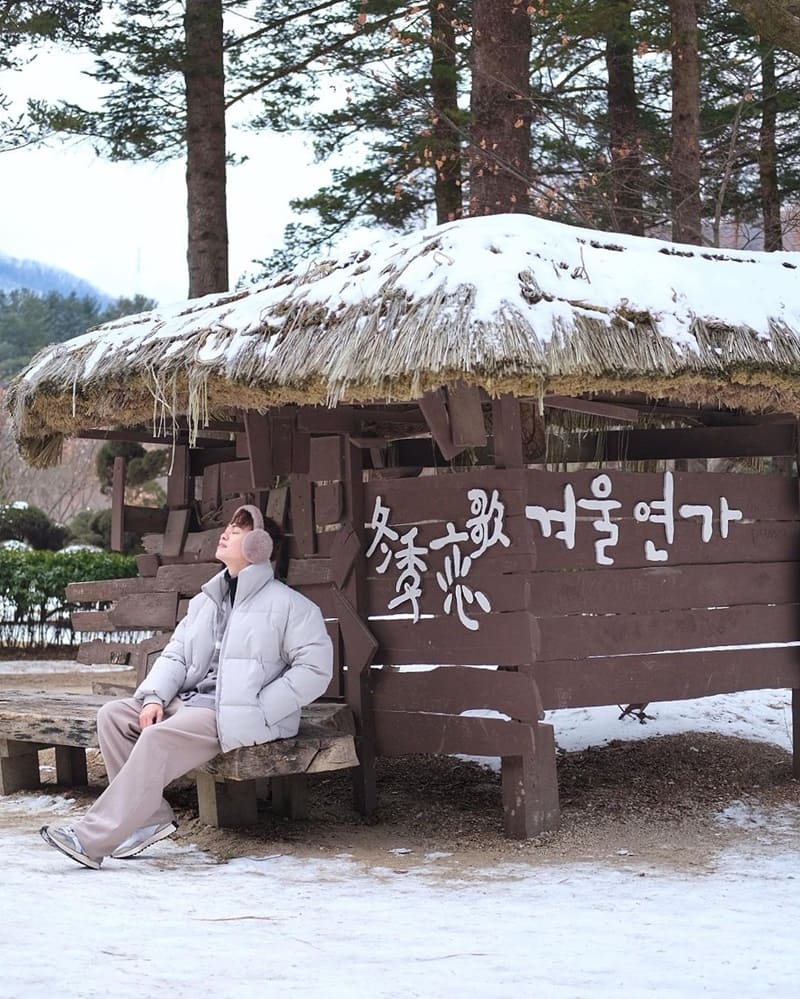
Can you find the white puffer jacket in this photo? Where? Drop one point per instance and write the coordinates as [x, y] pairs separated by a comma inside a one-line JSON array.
[[275, 657]]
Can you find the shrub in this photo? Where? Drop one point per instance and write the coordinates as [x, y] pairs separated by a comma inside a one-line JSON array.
[[33, 606], [21, 522]]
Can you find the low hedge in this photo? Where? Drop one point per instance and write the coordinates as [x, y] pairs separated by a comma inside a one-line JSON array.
[[34, 612]]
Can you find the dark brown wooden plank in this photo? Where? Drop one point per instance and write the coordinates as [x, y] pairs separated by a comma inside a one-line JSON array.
[[118, 504], [466, 415], [107, 589], [178, 479], [96, 652], [617, 591], [259, 445], [501, 640], [628, 634], [302, 513], [212, 497], [760, 497], [147, 564], [400, 732], [358, 642], [703, 442], [202, 544], [175, 532], [326, 463], [235, 477], [135, 611], [282, 430], [186, 579], [309, 571], [328, 503], [505, 592], [301, 452], [200, 458], [346, 550], [433, 406], [321, 420], [778, 541], [507, 432], [145, 518], [438, 498], [277, 505], [645, 678], [455, 689], [610, 411]]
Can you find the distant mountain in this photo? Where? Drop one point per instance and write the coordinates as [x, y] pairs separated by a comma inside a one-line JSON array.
[[42, 278]]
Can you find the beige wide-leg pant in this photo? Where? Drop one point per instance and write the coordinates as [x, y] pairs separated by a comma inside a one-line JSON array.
[[140, 763]]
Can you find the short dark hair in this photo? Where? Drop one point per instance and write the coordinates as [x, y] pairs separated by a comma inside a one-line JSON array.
[[243, 518]]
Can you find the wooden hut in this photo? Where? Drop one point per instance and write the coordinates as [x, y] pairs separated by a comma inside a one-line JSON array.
[[401, 409]]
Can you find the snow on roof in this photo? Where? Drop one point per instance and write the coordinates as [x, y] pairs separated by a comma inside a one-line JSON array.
[[508, 302]]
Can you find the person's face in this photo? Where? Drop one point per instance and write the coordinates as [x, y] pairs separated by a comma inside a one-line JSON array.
[[229, 548]]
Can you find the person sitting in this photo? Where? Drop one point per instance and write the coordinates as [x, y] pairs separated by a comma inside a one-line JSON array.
[[248, 655]]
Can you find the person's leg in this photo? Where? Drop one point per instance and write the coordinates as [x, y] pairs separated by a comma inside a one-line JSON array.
[[186, 738], [117, 732]]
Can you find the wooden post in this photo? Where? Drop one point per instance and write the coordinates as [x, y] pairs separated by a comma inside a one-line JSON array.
[[178, 480], [357, 677], [118, 504], [71, 766], [19, 766], [507, 428], [290, 796], [226, 803], [530, 788]]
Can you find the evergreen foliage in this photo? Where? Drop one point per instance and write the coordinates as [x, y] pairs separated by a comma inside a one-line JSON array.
[[142, 466], [29, 322]]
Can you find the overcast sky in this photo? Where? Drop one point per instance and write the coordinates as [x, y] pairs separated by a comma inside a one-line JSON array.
[[122, 226]]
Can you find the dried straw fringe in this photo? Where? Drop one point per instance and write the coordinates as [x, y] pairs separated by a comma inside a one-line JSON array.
[[391, 349]]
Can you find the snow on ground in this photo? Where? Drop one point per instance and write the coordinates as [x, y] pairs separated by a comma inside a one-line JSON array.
[[175, 923]]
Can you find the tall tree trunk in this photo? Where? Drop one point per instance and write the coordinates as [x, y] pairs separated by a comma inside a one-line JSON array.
[[685, 181], [500, 105], [623, 114], [768, 155], [204, 77], [444, 88]]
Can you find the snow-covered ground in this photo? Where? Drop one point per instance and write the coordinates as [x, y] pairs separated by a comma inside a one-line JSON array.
[[176, 923]]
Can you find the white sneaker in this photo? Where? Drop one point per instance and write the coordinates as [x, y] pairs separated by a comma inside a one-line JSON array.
[[142, 838], [63, 838]]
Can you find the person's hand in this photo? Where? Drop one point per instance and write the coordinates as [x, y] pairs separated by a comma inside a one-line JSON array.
[[150, 715]]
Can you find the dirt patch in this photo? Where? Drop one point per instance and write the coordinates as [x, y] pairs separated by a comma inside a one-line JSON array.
[[649, 802]]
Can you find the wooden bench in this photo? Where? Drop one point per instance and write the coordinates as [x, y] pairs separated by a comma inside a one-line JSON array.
[[227, 787]]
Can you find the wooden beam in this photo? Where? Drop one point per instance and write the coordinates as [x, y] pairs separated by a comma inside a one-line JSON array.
[[611, 411], [703, 442], [434, 408], [466, 415], [178, 479], [259, 446], [118, 504], [507, 426]]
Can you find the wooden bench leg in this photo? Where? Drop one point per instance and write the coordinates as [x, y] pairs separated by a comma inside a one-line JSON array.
[[19, 766], [71, 766], [530, 788], [290, 796], [227, 803]]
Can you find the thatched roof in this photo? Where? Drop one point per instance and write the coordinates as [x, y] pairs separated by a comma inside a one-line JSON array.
[[509, 302]]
